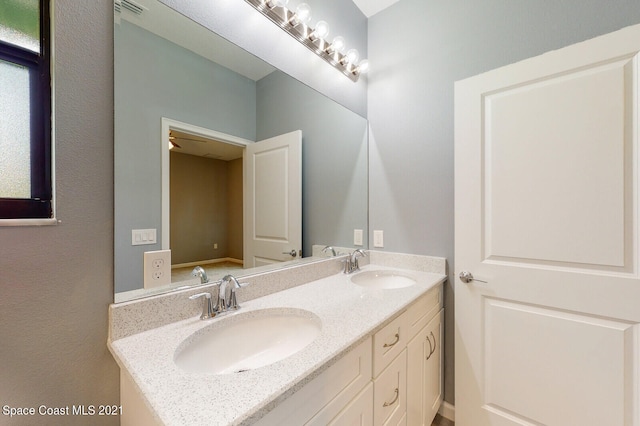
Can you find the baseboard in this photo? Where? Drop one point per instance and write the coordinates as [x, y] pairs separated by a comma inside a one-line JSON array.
[[447, 411], [207, 262]]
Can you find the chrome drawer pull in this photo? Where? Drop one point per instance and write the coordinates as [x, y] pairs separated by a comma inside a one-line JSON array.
[[432, 349], [386, 404], [388, 345]]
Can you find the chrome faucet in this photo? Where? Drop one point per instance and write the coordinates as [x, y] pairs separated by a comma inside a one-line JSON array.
[[199, 271], [331, 249], [232, 301], [222, 305], [351, 262]]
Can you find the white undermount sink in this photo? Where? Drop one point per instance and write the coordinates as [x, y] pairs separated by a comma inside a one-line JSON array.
[[247, 340], [383, 279]]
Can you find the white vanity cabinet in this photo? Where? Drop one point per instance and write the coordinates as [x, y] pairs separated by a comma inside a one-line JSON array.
[[337, 393], [391, 379], [407, 371]]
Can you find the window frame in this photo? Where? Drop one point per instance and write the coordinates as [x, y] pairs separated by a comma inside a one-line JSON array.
[[40, 204]]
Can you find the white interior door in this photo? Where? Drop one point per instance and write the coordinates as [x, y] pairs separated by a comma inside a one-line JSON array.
[[546, 212], [273, 200]]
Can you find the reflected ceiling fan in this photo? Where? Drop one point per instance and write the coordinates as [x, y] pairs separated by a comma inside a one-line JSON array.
[[174, 144]]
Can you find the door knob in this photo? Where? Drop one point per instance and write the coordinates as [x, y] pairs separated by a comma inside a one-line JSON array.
[[292, 253], [466, 277]]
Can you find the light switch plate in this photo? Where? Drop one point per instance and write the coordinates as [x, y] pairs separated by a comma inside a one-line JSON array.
[[141, 237], [378, 239], [357, 237], [157, 268]]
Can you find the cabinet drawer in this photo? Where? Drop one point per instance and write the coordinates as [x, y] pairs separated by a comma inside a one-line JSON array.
[[388, 343], [423, 310], [324, 396], [389, 393], [359, 411]]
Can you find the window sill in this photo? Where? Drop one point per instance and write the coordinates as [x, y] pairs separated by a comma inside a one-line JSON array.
[[28, 222]]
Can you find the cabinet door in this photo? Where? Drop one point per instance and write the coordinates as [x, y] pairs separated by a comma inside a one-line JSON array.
[[424, 373]]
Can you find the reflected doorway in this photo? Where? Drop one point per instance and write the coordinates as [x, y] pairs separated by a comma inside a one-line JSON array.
[[203, 221]]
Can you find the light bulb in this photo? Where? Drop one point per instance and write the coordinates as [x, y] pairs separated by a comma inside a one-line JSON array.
[[321, 30], [337, 45], [352, 56], [303, 13], [363, 66]]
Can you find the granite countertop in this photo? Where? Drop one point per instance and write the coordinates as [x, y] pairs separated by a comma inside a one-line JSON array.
[[349, 314]]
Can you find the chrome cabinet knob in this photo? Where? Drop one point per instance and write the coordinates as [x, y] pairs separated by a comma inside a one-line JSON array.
[[466, 277]]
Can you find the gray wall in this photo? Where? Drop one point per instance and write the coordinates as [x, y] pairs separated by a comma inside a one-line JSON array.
[[334, 158], [156, 78], [56, 282], [239, 22], [417, 49]]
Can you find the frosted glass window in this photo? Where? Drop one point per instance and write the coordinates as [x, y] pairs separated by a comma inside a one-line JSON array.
[[26, 188], [15, 137], [20, 23]]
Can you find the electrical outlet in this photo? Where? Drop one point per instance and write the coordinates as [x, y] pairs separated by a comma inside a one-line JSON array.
[[157, 268]]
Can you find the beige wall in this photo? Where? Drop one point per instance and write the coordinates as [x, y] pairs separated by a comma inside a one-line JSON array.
[[235, 205], [56, 282], [204, 207]]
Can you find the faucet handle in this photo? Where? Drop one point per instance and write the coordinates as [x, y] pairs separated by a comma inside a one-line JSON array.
[[207, 308]]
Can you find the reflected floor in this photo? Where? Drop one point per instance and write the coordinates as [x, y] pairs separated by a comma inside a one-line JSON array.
[[214, 271]]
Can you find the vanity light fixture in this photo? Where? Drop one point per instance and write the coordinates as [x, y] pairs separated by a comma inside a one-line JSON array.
[[295, 23]]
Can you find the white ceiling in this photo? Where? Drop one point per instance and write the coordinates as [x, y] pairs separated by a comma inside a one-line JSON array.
[[371, 7], [205, 147]]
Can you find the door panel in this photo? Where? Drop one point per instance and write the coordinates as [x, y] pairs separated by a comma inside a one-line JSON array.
[[273, 200], [546, 193], [529, 368], [564, 165]]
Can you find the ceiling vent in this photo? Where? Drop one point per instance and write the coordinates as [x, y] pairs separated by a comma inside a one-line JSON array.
[[130, 5]]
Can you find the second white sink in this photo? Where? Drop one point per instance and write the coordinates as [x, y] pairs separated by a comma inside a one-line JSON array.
[[246, 341], [383, 279]]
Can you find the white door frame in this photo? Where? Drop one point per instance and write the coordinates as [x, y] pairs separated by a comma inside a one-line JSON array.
[[171, 124]]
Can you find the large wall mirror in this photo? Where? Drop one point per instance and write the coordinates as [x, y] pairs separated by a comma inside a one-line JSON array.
[[191, 111]]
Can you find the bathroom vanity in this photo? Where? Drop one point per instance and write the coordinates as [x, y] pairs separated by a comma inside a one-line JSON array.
[[373, 351]]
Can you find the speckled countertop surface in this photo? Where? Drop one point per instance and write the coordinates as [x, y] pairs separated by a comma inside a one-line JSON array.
[[349, 314]]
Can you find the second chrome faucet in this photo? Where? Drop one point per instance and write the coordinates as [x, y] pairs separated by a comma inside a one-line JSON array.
[[351, 262], [223, 303]]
